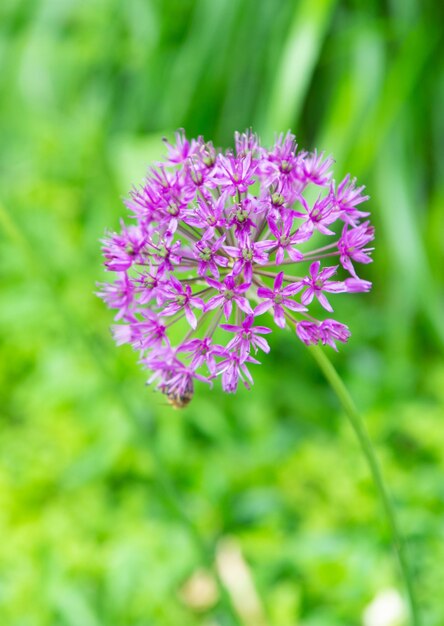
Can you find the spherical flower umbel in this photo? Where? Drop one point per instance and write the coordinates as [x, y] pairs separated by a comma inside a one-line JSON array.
[[218, 240]]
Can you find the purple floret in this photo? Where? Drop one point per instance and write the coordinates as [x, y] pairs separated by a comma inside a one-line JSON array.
[[217, 240]]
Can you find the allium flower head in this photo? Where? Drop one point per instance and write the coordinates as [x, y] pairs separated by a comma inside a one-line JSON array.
[[218, 240]]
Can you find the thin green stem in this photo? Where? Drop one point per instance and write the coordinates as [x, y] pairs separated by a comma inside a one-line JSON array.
[[314, 256], [191, 237], [192, 331], [287, 262], [214, 324], [358, 425], [193, 279], [328, 247], [174, 320], [287, 277]]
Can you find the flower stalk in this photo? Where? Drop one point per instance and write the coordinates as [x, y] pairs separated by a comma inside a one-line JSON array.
[[358, 426]]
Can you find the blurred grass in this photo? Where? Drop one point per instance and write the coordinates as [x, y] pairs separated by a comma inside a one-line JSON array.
[[87, 90]]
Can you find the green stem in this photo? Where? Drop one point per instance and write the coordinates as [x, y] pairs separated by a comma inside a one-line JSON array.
[[358, 425]]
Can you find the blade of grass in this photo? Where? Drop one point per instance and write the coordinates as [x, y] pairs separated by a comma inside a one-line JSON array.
[[357, 85], [299, 56], [193, 58], [413, 286], [401, 79]]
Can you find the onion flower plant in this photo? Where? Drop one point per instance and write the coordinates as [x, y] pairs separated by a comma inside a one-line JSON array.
[[221, 248]]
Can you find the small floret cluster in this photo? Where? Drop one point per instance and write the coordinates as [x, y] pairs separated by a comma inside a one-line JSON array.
[[217, 241]]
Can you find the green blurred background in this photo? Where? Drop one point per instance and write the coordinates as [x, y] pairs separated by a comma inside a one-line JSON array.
[[113, 505]]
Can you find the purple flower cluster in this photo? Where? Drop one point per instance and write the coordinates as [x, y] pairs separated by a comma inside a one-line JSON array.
[[218, 240]]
